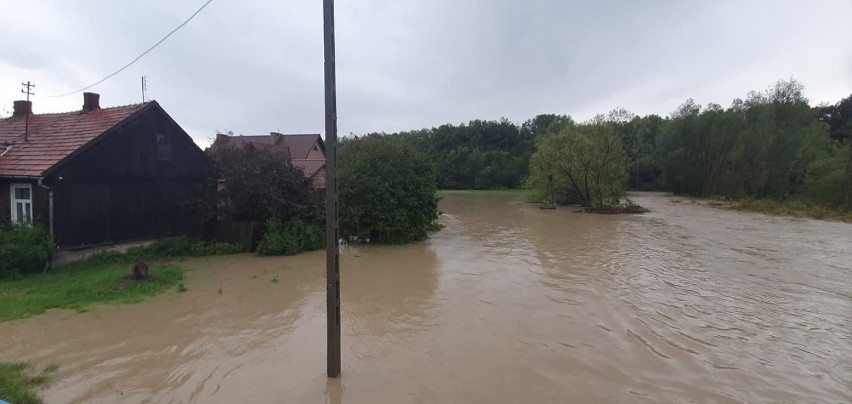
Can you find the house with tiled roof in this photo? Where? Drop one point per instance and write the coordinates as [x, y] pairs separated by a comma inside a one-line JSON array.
[[98, 175], [305, 151]]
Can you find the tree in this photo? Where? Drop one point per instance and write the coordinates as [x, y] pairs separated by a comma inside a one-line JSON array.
[[252, 184], [387, 191], [586, 164]]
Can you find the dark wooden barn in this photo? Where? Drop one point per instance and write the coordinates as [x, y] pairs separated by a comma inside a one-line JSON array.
[[98, 175]]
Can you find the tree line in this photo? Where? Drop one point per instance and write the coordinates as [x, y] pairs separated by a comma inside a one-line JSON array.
[[772, 144]]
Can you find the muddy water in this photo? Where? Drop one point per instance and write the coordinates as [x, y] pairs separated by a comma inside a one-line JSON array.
[[508, 303]]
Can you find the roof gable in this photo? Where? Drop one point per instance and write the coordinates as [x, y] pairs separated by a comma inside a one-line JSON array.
[[53, 137], [301, 145]]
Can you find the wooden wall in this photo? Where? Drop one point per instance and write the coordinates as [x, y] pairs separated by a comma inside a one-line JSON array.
[[120, 190]]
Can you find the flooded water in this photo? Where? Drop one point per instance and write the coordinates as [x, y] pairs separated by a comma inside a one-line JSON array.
[[509, 303]]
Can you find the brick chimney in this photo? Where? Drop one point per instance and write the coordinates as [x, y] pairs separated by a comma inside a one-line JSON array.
[[276, 137], [91, 102], [22, 108]]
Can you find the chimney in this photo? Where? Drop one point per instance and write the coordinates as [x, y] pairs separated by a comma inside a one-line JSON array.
[[276, 137], [22, 108], [91, 102], [221, 138]]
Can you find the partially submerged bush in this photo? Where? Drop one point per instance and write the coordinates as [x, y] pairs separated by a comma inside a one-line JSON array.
[[291, 238], [24, 249], [387, 191]]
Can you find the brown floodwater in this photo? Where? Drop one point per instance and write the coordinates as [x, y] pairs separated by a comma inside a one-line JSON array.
[[509, 303]]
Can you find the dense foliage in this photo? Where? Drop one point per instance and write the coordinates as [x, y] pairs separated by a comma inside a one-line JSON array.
[[387, 191], [480, 154], [24, 249], [582, 164], [253, 184], [291, 238], [771, 145]]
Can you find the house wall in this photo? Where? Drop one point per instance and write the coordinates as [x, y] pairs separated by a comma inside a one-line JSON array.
[[318, 180], [119, 190], [316, 154]]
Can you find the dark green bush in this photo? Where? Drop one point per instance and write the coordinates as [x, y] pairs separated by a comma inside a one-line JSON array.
[[387, 191], [23, 249], [291, 238]]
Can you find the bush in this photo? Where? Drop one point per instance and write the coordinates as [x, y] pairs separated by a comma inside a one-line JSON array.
[[24, 249], [237, 192], [290, 238], [387, 191]]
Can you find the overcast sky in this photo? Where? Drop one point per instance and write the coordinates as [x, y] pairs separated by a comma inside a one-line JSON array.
[[256, 66]]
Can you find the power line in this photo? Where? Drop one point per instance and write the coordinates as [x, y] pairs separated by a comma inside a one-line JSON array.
[[140, 56]]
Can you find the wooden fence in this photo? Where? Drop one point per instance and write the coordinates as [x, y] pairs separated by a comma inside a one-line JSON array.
[[246, 234]]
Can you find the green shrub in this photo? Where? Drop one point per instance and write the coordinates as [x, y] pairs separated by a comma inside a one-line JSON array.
[[24, 249], [387, 191], [290, 238]]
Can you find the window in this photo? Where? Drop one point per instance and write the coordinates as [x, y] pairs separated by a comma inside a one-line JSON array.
[[164, 147], [22, 203]]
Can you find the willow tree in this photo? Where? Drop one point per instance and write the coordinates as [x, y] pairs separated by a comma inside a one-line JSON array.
[[586, 164]]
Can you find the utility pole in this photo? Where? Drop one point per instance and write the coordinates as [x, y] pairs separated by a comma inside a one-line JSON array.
[[332, 274], [28, 91]]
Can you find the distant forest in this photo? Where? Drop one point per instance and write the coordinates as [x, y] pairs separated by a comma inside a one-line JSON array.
[[773, 144]]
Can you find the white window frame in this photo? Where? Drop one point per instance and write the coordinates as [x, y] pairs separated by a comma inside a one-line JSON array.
[[15, 201]]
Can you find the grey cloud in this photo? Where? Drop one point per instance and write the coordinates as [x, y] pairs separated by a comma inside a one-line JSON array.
[[253, 67]]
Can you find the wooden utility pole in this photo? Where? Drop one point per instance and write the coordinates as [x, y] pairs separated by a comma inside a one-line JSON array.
[[28, 90], [332, 249]]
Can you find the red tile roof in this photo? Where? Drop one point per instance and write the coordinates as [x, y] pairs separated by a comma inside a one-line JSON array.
[[309, 166], [261, 142], [52, 138]]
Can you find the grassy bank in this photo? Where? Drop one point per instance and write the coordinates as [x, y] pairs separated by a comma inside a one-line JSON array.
[[791, 208], [19, 382], [78, 286], [103, 278]]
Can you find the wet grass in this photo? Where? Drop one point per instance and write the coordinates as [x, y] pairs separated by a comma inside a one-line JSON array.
[[19, 382], [81, 285], [792, 208]]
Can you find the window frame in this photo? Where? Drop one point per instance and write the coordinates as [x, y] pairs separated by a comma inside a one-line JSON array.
[[14, 202], [163, 148]]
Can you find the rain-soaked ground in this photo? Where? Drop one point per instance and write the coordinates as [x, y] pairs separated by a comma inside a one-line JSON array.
[[509, 303]]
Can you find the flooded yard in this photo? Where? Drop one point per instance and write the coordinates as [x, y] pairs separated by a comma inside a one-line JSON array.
[[509, 303]]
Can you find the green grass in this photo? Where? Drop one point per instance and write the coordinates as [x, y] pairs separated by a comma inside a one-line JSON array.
[[19, 381], [791, 208], [80, 285]]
